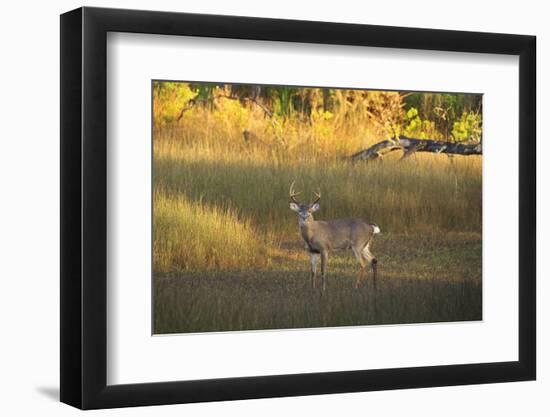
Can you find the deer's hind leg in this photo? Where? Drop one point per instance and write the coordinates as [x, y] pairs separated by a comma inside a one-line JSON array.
[[370, 258], [363, 265]]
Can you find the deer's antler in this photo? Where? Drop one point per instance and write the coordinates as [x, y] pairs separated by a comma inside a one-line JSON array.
[[292, 194], [317, 196]]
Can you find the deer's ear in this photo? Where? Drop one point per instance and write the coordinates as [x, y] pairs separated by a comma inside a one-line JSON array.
[[314, 207], [294, 207]]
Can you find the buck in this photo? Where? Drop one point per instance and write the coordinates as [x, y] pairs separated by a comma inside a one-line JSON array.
[[322, 237]]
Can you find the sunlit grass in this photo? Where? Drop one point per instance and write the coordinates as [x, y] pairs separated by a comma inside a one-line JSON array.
[[193, 235]]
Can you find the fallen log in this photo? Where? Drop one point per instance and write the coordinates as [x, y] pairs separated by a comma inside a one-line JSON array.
[[412, 145]]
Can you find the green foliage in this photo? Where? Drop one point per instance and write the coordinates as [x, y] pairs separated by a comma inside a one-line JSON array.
[[284, 103], [444, 110], [331, 112], [467, 128], [416, 127], [169, 98]]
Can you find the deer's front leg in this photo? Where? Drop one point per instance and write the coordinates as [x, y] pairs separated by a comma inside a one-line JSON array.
[[313, 257], [324, 260]]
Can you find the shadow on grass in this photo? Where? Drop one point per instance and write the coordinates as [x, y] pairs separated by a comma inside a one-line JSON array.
[[247, 300]]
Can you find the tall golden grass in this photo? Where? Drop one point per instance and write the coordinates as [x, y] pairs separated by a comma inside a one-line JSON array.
[[221, 197], [192, 235]]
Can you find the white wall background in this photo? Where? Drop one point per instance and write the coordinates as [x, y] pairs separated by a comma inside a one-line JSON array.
[[29, 225]]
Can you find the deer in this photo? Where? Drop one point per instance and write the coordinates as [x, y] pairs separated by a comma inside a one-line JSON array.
[[324, 236]]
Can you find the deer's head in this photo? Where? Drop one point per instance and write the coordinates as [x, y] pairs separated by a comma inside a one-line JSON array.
[[305, 211]]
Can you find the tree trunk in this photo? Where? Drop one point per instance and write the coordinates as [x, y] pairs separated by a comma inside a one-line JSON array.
[[412, 145]]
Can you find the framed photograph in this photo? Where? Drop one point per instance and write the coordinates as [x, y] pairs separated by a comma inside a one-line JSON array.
[[258, 208]]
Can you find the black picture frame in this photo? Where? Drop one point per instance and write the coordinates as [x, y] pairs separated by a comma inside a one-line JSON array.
[[84, 207]]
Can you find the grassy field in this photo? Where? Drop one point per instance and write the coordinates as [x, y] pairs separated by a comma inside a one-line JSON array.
[[420, 279], [227, 254]]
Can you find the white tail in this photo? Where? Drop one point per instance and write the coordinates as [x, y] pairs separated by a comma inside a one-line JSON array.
[[321, 237]]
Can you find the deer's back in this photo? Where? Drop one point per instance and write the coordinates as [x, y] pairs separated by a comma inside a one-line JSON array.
[[340, 233]]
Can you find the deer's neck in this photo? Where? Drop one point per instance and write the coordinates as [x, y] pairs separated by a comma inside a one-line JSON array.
[[306, 228]]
